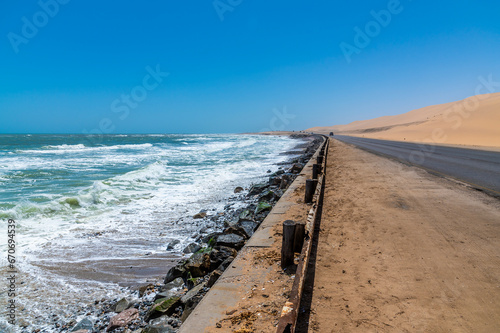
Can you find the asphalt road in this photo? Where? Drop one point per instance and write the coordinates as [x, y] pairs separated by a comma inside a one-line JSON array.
[[478, 168]]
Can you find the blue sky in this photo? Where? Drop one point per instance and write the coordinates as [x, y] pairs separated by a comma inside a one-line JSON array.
[[235, 65]]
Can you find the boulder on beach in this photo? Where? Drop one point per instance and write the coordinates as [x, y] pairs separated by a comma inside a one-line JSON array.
[[157, 329], [285, 181], [163, 306], [173, 243], [219, 254], [175, 272], [274, 180], [268, 195], [84, 324], [231, 240], [296, 168], [245, 215], [200, 215], [191, 299], [248, 227], [237, 230], [191, 248], [142, 289], [198, 265], [121, 305], [263, 206], [176, 283], [238, 189], [213, 277], [167, 294], [123, 319], [257, 188], [161, 325]]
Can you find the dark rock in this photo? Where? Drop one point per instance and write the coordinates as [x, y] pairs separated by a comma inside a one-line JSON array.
[[167, 294], [296, 168], [173, 243], [213, 277], [121, 305], [84, 324], [248, 226], [163, 306], [160, 325], [198, 264], [191, 299], [193, 282], [158, 329], [238, 189], [175, 272], [276, 180], [219, 254], [231, 240], [244, 215], [285, 182], [237, 230], [262, 206], [191, 248], [193, 293], [123, 319], [177, 283], [200, 215], [212, 236], [225, 264], [142, 289], [256, 189], [267, 196]]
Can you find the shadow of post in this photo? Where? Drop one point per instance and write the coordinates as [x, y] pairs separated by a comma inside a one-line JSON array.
[[306, 300]]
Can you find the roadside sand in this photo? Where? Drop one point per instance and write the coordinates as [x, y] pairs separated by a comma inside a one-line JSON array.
[[473, 121], [401, 250]]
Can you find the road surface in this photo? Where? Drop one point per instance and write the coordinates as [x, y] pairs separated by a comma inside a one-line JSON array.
[[478, 168]]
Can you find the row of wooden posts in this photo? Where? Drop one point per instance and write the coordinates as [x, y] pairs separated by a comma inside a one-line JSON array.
[[294, 231]]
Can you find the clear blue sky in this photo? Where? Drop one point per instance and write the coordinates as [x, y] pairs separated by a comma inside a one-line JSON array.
[[73, 71]]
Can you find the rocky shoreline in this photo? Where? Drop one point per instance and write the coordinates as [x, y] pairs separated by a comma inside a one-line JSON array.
[[162, 307]]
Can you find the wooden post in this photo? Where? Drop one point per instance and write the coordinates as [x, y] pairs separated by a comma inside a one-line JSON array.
[[316, 171], [287, 244], [310, 188], [319, 159], [300, 233]]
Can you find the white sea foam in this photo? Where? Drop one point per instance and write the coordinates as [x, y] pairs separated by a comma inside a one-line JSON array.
[[124, 200], [64, 148]]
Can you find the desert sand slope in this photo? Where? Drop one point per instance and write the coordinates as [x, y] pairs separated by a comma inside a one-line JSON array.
[[474, 121]]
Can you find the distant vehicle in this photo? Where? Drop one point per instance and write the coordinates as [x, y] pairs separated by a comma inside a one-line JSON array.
[[331, 133]]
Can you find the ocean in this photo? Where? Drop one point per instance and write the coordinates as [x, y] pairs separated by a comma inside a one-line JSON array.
[[94, 217]]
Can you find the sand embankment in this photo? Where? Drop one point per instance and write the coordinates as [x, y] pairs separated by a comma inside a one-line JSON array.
[[401, 250], [474, 121]]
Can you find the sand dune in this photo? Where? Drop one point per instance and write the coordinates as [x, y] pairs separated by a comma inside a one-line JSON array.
[[474, 121]]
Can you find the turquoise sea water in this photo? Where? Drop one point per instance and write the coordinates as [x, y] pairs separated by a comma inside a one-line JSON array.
[[81, 204]]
